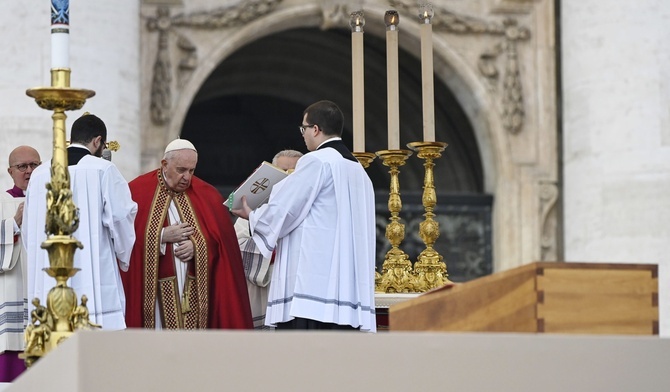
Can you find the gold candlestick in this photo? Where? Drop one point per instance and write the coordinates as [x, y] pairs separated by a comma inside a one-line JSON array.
[[365, 158], [396, 274], [431, 271], [51, 325]]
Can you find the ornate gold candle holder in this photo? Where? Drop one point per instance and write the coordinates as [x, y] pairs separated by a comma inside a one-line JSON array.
[[431, 271], [365, 158], [396, 276], [52, 324]]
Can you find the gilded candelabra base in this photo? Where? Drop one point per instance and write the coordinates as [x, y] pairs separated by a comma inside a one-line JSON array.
[[365, 158], [51, 325], [431, 271], [396, 275]]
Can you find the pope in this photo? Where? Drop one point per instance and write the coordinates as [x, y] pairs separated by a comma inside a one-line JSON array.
[[186, 269]]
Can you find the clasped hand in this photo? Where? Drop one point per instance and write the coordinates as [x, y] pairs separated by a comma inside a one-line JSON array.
[[179, 234], [184, 250]]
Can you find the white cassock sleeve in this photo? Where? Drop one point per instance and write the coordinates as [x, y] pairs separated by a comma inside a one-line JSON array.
[[8, 256], [118, 214], [12, 278], [289, 204]]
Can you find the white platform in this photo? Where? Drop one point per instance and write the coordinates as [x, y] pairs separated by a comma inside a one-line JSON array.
[[139, 360]]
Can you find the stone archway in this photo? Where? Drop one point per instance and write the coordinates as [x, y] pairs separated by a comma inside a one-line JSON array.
[[518, 159]]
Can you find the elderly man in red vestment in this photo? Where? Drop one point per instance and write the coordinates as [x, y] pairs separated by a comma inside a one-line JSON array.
[[186, 269]]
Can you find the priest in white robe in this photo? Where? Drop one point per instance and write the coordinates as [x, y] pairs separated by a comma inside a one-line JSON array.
[[12, 288], [320, 221], [106, 218]]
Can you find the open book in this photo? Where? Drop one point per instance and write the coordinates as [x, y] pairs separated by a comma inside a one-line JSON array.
[[256, 187]]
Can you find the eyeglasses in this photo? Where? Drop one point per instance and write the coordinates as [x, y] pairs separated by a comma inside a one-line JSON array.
[[24, 166], [303, 127]]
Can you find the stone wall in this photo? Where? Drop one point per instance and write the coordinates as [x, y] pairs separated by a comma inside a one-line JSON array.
[[616, 83]]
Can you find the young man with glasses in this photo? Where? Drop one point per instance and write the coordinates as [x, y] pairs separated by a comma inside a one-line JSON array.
[[321, 222]]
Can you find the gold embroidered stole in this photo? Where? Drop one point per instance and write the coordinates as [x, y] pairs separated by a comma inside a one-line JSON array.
[[192, 312]]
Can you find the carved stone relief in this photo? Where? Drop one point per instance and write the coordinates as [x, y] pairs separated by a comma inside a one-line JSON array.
[[548, 220], [513, 6], [165, 24], [334, 14]]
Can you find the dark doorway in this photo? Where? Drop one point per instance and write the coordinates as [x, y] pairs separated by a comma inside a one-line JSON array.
[[251, 105]]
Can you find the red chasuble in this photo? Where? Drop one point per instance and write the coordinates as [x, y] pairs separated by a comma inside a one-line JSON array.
[[216, 293]]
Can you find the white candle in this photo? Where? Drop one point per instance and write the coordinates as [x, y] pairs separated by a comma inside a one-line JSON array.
[[60, 34], [357, 22], [425, 14], [391, 18]]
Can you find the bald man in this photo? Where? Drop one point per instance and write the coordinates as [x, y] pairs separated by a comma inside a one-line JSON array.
[[22, 161]]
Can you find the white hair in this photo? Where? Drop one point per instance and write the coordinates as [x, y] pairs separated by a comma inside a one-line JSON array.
[[286, 153]]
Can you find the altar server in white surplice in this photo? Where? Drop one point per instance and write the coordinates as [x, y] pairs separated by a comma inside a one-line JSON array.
[[12, 287], [106, 218], [321, 220]]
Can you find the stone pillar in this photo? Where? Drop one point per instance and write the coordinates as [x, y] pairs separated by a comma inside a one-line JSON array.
[[616, 134]]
